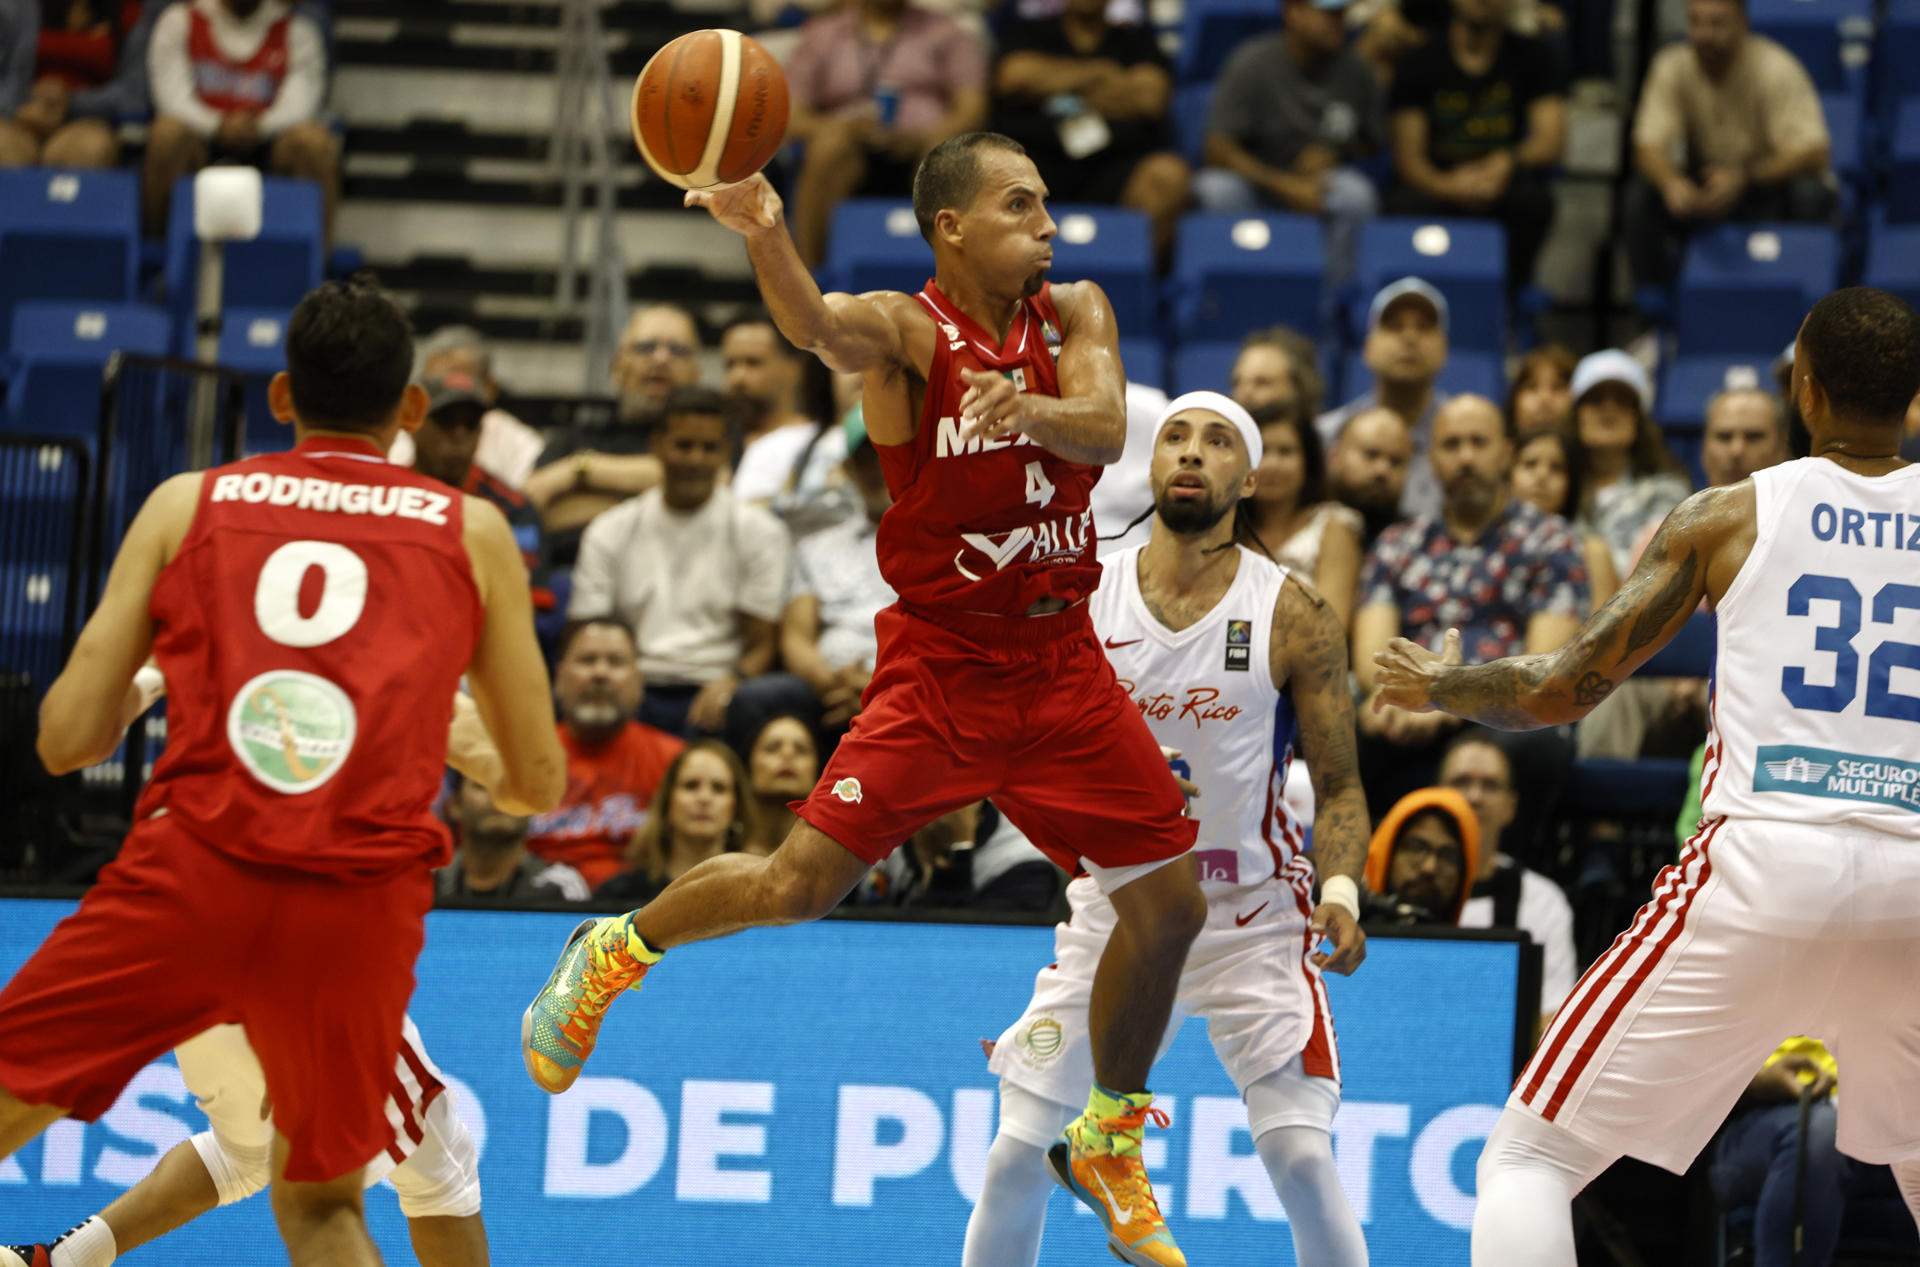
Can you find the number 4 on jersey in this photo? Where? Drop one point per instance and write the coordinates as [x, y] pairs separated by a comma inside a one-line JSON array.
[[1039, 487]]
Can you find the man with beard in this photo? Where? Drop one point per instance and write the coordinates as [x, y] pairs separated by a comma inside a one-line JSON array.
[[1367, 469], [491, 862], [1510, 578], [613, 762], [1229, 656]]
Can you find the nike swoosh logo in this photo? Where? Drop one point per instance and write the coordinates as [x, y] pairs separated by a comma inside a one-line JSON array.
[[1122, 1215], [1244, 920], [1115, 646]]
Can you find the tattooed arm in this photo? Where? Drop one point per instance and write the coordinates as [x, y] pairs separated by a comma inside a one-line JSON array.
[[1695, 546], [1309, 657]]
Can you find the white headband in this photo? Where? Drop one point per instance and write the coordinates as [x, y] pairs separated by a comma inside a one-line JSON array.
[[1227, 408]]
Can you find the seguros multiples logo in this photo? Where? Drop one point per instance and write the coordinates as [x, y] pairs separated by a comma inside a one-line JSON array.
[[291, 730]]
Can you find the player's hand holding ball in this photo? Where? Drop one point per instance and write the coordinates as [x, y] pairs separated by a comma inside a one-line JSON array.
[[709, 111], [991, 409], [749, 207]]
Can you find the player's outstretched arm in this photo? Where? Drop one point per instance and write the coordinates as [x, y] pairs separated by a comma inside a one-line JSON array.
[[1087, 422], [1309, 656], [1562, 686], [80, 719], [507, 675], [851, 333]]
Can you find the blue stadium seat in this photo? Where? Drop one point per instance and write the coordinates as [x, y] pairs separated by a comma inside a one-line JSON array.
[[1830, 37], [875, 244], [1846, 129], [1893, 258], [253, 341], [1145, 361], [1896, 50], [1466, 260], [68, 235], [1604, 788], [274, 270], [1903, 172], [1465, 371], [1114, 247], [1203, 367], [1211, 29], [61, 350], [1234, 273], [1746, 286], [1192, 107], [1689, 382]]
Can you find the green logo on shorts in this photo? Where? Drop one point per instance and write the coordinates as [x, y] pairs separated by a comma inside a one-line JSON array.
[[291, 730], [1040, 1041], [848, 790]]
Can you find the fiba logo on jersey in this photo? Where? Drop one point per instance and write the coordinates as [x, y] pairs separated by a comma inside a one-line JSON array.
[[1239, 645], [291, 730], [1040, 1041]]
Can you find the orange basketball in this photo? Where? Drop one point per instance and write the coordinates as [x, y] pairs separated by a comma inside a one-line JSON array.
[[710, 109]]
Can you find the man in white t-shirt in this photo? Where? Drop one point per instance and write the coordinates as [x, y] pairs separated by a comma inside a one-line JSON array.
[[697, 574], [1506, 894], [509, 448], [763, 377]]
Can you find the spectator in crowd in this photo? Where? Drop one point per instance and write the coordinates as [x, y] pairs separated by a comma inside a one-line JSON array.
[[1509, 578], [763, 377], [783, 763], [1542, 391], [1278, 366], [492, 862], [613, 762], [63, 78], [1505, 893], [1089, 99], [817, 493], [1406, 349], [1479, 119], [1729, 128], [1122, 502], [1292, 113], [826, 631], [508, 448], [444, 447], [1422, 858], [1293, 517], [1548, 475], [875, 84], [1745, 431], [237, 80], [1799, 1192], [593, 467], [693, 571], [933, 869], [1367, 469], [1631, 480], [701, 809]]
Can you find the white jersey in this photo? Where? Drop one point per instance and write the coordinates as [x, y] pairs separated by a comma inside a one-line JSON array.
[[1816, 700], [1208, 691]]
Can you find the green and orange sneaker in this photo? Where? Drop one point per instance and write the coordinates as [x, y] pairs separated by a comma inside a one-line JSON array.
[[1097, 1159], [603, 957]]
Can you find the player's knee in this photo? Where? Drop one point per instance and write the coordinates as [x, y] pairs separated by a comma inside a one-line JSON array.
[[1180, 917], [1299, 1160], [300, 1206], [236, 1170]]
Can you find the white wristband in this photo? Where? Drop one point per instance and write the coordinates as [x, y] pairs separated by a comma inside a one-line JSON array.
[[1341, 891], [151, 684]]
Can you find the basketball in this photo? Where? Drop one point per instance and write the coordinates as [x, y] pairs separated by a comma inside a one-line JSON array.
[[709, 109]]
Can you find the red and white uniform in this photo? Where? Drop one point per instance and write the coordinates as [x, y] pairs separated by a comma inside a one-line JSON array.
[[1208, 691], [1796, 908], [970, 697], [312, 629]]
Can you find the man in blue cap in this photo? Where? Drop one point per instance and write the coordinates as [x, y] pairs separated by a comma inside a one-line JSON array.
[[1406, 349]]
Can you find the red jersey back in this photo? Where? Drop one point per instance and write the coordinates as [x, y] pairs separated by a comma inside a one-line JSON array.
[[313, 629], [990, 527]]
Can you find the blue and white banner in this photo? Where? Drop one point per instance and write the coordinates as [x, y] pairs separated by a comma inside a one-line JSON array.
[[818, 1094]]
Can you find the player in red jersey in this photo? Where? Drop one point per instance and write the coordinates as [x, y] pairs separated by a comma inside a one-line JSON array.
[[993, 399], [312, 613]]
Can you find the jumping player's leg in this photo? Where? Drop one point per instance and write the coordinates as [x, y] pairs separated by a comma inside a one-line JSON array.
[[1011, 1215], [324, 1224], [1529, 1174], [21, 1124], [1159, 914], [802, 880]]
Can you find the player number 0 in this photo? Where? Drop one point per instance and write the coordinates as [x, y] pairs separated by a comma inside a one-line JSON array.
[[343, 593]]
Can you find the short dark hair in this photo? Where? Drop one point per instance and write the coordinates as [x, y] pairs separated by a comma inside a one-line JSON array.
[[1479, 736], [949, 176], [349, 355], [574, 628], [761, 317], [1313, 455], [1863, 344], [694, 399]]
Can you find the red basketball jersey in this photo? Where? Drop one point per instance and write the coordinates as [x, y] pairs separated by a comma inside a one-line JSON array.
[[313, 629], [987, 527]]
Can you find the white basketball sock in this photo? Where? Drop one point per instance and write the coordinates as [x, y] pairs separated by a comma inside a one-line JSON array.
[[1299, 1160], [1012, 1211], [1529, 1174], [89, 1245]]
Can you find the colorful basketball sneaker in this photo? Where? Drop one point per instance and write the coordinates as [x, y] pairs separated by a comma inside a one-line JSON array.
[[26, 1255], [1097, 1159], [602, 958]]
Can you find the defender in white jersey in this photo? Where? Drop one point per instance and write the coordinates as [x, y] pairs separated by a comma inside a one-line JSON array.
[[1796, 908], [1226, 654]]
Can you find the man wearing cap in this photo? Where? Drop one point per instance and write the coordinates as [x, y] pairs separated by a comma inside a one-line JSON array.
[[444, 448], [509, 448], [1292, 112], [1508, 577], [1406, 349]]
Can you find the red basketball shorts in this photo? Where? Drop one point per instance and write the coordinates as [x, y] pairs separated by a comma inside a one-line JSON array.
[[1044, 729], [177, 937]]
